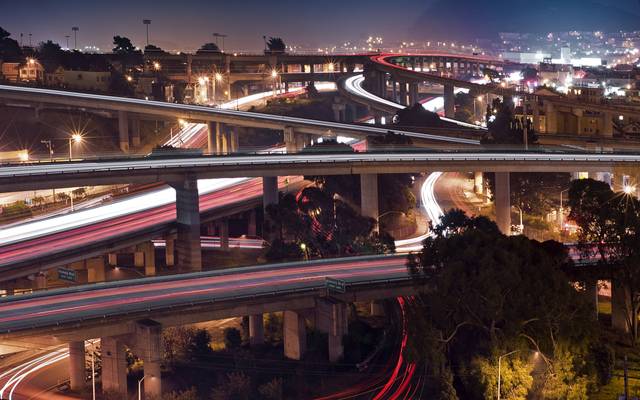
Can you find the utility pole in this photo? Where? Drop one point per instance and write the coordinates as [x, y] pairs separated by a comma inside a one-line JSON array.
[[147, 22], [75, 30]]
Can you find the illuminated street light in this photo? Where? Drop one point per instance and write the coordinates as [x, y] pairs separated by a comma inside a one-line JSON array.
[[218, 76], [156, 65], [274, 73], [74, 138], [129, 78], [629, 189]]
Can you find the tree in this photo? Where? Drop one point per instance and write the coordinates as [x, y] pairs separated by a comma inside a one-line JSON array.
[[609, 234], [9, 48], [208, 48], [271, 390], [232, 338], [79, 193], [275, 45], [504, 128], [123, 45], [490, 294], [417, 116], [235, 386]]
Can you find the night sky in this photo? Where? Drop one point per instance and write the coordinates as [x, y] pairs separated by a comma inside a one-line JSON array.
[[186, 24]]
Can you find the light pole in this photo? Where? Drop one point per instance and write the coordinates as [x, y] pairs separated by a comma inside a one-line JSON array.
[[140, 385], [147, 22], [75, 138], [75, 30], [500, 366], [303, 247], [561, 211], [67, 37], [93, 361]]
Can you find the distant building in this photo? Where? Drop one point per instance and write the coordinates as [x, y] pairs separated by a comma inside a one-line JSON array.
[[10, 71], [593, 95], [87, 80], [31, 71]]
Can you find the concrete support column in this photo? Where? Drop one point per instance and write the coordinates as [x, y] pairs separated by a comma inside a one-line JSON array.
[[551, 118], [331, 318], [211, 137], [223, 225], [149, 258], [112, 259], [189, 255], [369, 196], [170, 243], [135, 134], [449, 101], [394, 91], [96, 270], [591, 291], [289, 137], [149, 349], [413, 93], [220, 139], [256, 330], [536, 115], [114, 365], [295, 335], [39, 281], [269, 190], [478, 182], [77, 365], [503, 202], [403, 93], [138, 258], [251, 224], [377, 308], [123, 131], [619, 306]]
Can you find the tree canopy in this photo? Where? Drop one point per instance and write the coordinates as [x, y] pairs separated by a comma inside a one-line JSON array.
[[276, 45], [9, 48], [504, 128], [208, 48], [417, 116], [489, 294]]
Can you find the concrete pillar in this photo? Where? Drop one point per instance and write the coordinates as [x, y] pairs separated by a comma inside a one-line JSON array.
[[369, 196], [551, 118], [403, 93], [449, 101], [96, 270], [211, 137], [394, 91], [114, 365], [619, 306], [77, 365], [112, 259], [478, 183], [135, 134], [224, 234], [290, 139], [251, 224], [220, 139], [536, 115], [189, 255], [138, 258], [295, 335], [377, 308], [503, 202], [123, 131], [39, 281], [149, 258], [269, 190], [256, 330], [331, 318], [413, 93], [148, 338], [591, 291], [578, 114], [169, 249]]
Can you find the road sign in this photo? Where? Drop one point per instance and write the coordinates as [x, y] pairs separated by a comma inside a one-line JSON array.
[[336, 285], [67, 274]]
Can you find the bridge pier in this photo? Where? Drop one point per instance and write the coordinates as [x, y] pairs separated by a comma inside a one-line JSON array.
[[591, 291], [114, 365], [256, 330], [212, 128], [189, 255], [148, 346], [149, 254], [135, 132], [138, 258], [331, 318], [294, 335], [112, 259], [269, 197], [123, 130], [169, 258], [39, 281], [377, 308], [478, 182], [96, 270], [251, 223], [289, 137], [619, 306], [369, 196], [77, 365], [223, 226], [607, 124], [413, 93], [403, 93], [449, 101], [503, 202]]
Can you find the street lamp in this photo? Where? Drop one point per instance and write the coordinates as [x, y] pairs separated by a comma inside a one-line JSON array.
[[140, 385], [500, 367], [75, 138], [561, 214], [303, 247], [156, 66]]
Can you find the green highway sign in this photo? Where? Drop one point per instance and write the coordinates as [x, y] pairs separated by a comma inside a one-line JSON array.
[[336, 285], [67, 274]]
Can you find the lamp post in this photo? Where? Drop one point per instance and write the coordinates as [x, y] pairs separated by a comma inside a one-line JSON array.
[[500, 367], [75, 138], [140, 385], [93, 361], [561, 211]]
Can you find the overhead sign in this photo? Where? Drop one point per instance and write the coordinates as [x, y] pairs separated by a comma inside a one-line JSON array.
[[336, 285], [67, 274]]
